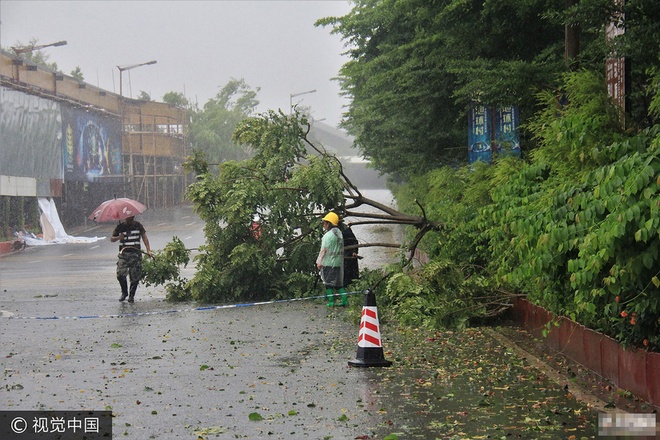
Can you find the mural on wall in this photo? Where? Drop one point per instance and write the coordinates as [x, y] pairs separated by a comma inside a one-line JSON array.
[[91, 145]]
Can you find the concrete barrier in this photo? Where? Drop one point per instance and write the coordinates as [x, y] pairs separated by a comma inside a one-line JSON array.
[[634, 370], [7, 247]]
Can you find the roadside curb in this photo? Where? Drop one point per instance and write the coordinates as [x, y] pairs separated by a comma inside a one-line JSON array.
[[634, 370], [7, 247]]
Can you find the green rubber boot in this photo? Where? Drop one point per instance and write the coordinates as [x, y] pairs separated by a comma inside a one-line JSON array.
[[329, 293], [344, 297]]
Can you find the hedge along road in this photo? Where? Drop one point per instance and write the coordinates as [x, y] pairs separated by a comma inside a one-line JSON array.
[[266, 371]]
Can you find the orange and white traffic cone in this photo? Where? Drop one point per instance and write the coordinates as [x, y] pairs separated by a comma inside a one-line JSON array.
[[370, 350]]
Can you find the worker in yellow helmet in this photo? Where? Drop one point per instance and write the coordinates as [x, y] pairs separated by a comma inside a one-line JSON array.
[[330, 261]]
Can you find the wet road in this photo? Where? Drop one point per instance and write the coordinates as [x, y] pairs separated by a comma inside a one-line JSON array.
[[79, 278], [166, 370], [278, 371]]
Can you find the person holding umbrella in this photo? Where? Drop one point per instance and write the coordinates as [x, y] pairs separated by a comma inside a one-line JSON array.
[[128, 233], [129, 262]]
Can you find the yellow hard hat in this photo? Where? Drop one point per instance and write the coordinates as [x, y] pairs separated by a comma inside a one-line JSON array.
[[332, 218]]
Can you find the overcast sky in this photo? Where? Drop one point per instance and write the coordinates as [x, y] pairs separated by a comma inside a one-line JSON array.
[[198, 45]]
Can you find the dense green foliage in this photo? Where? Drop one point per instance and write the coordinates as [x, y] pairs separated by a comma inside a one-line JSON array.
[[212, 127], [416, 65], [288, 185], [165, 269], [576, 229], [287, 188], [177, 99]]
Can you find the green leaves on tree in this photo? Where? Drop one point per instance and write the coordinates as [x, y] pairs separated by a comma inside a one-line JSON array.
[[576, 230]]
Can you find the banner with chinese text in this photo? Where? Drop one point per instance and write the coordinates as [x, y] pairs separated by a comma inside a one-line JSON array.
[[506, 141], [479, 134]]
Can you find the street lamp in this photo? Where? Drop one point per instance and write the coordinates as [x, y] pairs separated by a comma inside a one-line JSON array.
[[132, 66], [293, 95], [25, 49]]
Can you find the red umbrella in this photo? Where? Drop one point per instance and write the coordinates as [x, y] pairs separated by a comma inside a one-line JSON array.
[[117, 209]]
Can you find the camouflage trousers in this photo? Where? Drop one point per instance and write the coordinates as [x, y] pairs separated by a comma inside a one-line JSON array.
[[129, 263]]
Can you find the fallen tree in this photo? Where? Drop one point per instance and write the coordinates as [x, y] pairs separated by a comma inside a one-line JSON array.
[[281, 192]]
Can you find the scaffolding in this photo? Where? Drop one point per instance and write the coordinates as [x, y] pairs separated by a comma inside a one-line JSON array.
[[154, 145]]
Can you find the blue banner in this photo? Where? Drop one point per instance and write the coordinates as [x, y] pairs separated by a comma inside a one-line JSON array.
[[479, 134], [506, 142]]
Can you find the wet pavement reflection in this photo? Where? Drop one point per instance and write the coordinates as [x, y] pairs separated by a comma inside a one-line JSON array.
[[268, 371]]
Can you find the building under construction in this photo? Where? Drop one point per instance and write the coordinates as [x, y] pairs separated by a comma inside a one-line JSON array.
[[68, 140]]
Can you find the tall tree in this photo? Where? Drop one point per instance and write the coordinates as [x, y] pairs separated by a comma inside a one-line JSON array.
[[415, 66], [176, 99], [212, 127]]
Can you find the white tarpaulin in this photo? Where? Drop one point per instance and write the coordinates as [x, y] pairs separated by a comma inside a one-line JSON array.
[[51, 226]]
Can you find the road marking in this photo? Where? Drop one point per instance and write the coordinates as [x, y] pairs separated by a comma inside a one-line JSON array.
[[191, 224], [188, 237], [94, 247]]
